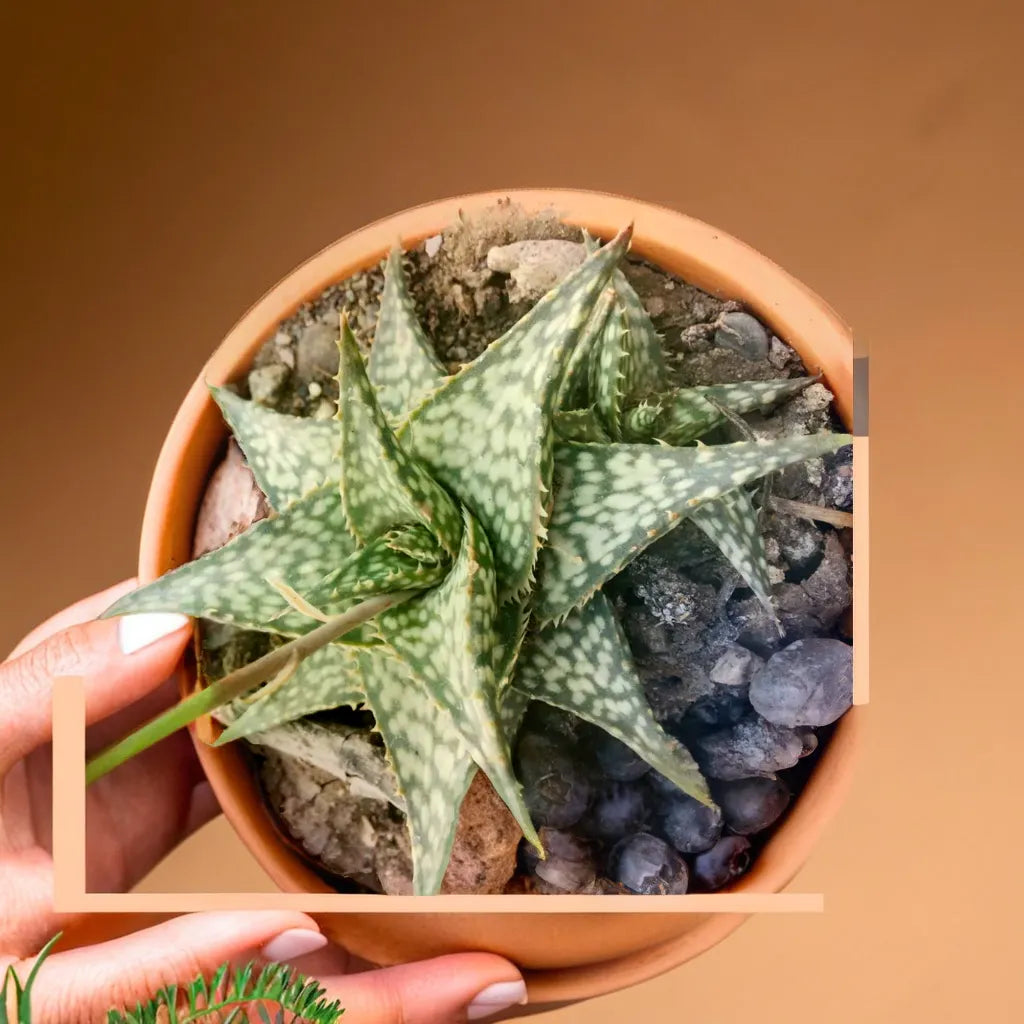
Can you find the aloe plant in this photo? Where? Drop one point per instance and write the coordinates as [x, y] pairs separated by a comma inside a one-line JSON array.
[[436, 553]]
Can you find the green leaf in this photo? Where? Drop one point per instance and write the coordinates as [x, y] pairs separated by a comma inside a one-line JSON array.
[[382, 485], [612, 501], [232, 584], [635, 364], [644, 368], [574, 390], [687, 413], [384, 566], [584, 666], [402, 365], [608, 372], [640, 423], [289, 456], [446, 639], [731, 523], [328, 678], [431, 762], [584, 425], [486, 433]]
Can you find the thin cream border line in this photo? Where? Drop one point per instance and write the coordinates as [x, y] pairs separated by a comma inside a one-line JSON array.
[[861, 568], [70, 895]]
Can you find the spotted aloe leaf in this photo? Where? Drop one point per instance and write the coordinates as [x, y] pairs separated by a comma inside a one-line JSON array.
[[731, 523], [608, 372], [446, 639], [329, 678], [635, 363], [404, 558], [689, 413], [584, 425], [402, 365], [236, 583], [584, 666], [574, 390], [612, 501], [289, 455], [430, 759], [486, 432], [640, 423], [382, 485]]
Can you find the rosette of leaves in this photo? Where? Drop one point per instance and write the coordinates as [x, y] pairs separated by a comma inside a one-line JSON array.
[[436, 553]]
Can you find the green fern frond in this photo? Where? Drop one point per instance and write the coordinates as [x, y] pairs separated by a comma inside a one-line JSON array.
[[234, 992]]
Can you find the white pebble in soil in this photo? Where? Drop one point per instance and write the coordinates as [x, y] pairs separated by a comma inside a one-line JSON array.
[[536, 266]]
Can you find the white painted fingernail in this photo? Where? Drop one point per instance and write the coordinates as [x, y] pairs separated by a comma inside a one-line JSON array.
[[292, 944], [496, 998], [137, 631]]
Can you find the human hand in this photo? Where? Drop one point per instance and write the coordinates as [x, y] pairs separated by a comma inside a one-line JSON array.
[[138, 814]]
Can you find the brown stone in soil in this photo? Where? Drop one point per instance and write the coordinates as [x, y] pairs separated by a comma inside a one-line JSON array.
[[486, 840], [231, 504]]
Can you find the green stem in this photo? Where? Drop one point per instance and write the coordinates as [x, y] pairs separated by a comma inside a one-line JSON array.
[[225, 690]]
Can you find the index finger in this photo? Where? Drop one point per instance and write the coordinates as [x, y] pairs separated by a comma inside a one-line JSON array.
[[75, 614]]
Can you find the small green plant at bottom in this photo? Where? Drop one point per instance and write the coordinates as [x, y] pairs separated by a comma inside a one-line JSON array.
[[228, 992]]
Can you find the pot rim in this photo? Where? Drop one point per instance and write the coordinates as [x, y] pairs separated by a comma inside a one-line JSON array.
[[713, 260]]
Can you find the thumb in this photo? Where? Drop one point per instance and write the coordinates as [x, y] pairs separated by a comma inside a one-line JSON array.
[[444, 990], [81, 985]]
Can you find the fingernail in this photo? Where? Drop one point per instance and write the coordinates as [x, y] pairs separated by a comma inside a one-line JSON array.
[[292, 944], [137, 631], [497, 997]]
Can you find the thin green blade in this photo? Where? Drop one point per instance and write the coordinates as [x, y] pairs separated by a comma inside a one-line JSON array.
[[486, 433], [382, 485], [403, 366], [289, 456], [612, 501], [584, 666]]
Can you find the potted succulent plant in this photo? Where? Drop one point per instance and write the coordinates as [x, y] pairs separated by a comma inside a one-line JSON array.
[[471, 526]]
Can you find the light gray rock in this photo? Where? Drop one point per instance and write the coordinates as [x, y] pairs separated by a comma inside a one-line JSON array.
[[743, 334], [810, 682], [535, 266]]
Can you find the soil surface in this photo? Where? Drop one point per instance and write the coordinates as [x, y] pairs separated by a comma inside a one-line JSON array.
[[698, 635]]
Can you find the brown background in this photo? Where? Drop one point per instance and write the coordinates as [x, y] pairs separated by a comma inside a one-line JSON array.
[[165, 165]]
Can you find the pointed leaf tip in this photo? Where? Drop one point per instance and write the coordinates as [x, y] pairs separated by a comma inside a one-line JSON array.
[[486, 433], [382, 485]]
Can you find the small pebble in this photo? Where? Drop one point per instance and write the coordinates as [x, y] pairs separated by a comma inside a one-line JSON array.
[[267, 382], [432, 246], [753, 746], [647, 865], [722, 864], [316, 352], [750, 806], [743, 334], [689, 825], [810, 682], [314, 389], [735, 667]]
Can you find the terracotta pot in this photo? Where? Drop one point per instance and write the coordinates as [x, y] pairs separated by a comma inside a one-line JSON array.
[[566, 957]]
